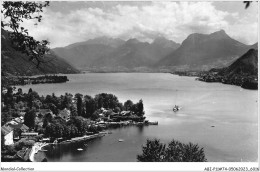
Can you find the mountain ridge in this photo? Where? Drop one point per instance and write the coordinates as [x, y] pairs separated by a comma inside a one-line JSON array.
[[16, 63], [205, 49], [129, 54]]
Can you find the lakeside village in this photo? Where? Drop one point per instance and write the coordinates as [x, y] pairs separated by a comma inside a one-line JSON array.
[[30, 122], [215, 75]]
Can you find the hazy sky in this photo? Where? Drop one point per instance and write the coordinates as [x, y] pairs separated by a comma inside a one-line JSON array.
[[68, 22]]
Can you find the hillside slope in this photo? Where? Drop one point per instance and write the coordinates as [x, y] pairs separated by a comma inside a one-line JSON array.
[[245, 65], [16, 63], [243, 72]]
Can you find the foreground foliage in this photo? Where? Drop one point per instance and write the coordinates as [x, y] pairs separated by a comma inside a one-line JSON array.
[[14, 14], [155, 151]]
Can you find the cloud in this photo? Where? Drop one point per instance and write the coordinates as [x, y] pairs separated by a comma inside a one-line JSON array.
[[174, 20]]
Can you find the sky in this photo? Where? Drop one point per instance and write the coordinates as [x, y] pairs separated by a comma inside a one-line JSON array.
[[67, 22]]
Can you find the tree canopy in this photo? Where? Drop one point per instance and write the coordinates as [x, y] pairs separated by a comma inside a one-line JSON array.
[[155, 151], [14, 13]]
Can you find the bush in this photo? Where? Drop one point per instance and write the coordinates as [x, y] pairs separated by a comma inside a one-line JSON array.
[[23, 143], [10, 150], [155, 151], [93, 129]]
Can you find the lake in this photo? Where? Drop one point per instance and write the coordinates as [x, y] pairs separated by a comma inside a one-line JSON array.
[[231, 109]]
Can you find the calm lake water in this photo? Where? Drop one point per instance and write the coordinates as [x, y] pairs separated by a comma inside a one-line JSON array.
[[231, 109]]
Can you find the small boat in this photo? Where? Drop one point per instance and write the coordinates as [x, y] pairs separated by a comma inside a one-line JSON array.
[[176, 108], [120, 140], [80, 149]]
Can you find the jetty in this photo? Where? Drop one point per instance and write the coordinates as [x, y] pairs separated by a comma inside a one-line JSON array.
[[83, 138], [128, 123]]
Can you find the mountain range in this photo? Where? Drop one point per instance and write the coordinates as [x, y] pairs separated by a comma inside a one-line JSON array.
[[103, 54], [197, 52], [112, 53], [16, 63], [210, 50]]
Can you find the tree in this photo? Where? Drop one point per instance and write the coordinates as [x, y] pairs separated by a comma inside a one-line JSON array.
[[66, 101], [5, 117], [73, 130], [108, 101], [66, 132], [128, 105], [155, 151], [47, 119], [80, 124], [53, 108], [117, 110], [30, 90], [30, 97], [73, 111], [79, 105], [90, 106], [14, 13], [140, 108], [50, 130], [55, 130], [29, 118], [95, 115], [8, 97]]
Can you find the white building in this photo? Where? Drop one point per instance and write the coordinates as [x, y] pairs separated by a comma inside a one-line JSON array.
[[8, 135]]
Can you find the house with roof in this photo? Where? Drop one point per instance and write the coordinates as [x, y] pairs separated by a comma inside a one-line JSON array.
[[8, 134], [19, 119], [18, 129], [64, 114]]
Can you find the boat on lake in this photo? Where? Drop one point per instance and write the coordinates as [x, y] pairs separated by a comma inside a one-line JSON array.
[[120, 140], [176, 108]]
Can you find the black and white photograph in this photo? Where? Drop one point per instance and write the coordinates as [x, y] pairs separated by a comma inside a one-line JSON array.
[[167, 82]]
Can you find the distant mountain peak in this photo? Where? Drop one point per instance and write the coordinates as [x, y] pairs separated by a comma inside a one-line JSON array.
[[221, 31], [132, 41], [219, 34]]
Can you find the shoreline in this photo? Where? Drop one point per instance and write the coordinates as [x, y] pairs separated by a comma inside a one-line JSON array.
[[35, 149], [83, 138]]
